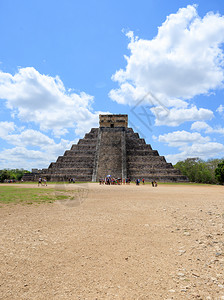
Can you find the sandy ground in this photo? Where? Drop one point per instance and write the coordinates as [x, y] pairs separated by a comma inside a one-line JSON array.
[[115, 242]]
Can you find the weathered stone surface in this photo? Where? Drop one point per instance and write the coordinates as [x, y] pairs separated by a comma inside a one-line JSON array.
[[113, 149], [113, 121]]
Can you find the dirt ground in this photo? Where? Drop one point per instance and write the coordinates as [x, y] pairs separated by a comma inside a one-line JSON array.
[[115, 242]]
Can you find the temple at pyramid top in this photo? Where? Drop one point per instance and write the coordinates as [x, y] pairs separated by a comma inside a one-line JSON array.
[[113, 121], [113, 149]]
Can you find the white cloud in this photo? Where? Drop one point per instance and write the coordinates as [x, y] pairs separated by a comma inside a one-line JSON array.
[[44, 100], [203, 151], [220, 109], [181, 138], [198, 126], [175, 116], [191, 145], [184, 60], [6, 128], [24, 155], [29, 137], [20, 157]]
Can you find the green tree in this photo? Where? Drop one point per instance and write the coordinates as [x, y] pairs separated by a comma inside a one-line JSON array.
[[15, 174], [4, 175], [219, 172], [198, 170]]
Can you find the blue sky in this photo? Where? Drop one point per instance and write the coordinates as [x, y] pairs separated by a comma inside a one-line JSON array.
[[64, 62]]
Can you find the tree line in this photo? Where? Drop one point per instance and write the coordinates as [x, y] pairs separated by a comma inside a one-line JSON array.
[[200, 171], [12, 174]]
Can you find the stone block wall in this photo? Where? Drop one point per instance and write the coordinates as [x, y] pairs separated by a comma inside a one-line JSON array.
[[114, 121]]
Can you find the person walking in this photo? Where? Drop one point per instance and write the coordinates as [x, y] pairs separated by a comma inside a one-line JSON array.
[[40, 181]]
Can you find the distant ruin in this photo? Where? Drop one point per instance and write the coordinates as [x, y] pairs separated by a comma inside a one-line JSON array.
[[112, 149]]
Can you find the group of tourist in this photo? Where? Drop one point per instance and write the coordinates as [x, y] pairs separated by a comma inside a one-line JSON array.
[[10, 181], [114, 181], [110, 180], [117, 181], [154, 184], [138, 181], [71, 180], [42, 181]]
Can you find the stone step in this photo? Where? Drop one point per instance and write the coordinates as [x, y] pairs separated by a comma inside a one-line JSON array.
[[140, 147], [87, 141], [142, 152], [77, 158], [132, 135], [74, 164], [135, 143], [73, 153], [147, 172], [84, 147], [161, 178], [145, 159], [84, 154], [149, 165], [91, 135], [65, 178], [79, 171]]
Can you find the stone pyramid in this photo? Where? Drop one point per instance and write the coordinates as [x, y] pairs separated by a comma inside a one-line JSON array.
[[112, 149]]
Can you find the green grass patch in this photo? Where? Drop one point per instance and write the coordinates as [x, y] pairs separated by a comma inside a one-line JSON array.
[[11, 194], [52, 182]]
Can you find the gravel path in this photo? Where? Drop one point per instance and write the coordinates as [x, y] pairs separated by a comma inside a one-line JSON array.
[[115, 242]]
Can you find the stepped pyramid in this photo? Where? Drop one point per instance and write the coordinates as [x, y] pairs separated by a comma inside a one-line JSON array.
[[113, 149]]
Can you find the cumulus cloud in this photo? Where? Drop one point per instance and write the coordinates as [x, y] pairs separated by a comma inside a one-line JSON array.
[[29, 137], [23, 155], [220, 109], [185, 59], [6, 128], [199, 126], [44, 100], [41, 100], [191, 145], [205, 151], [181, 138], [175, 116]]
